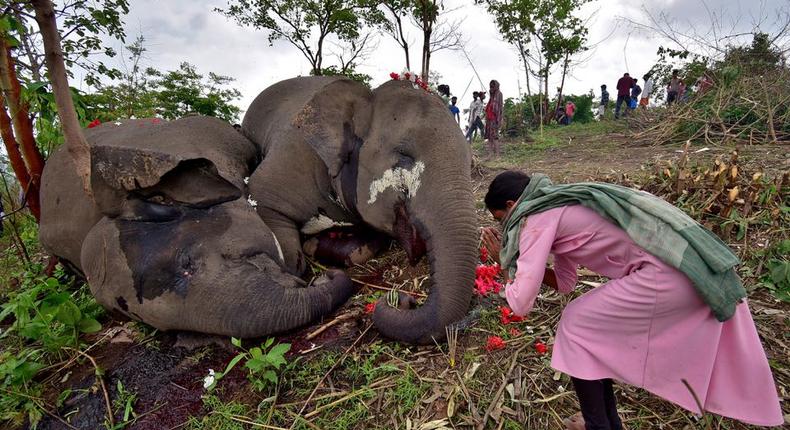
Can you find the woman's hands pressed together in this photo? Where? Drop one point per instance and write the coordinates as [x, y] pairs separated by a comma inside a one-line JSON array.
[[492, 240]]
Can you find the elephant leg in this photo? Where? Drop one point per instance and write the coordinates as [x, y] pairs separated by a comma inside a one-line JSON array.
[[346, 246], [287, 235]]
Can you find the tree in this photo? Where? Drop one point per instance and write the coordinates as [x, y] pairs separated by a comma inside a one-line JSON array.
[[181, 92], [393, 24], [76, 144], [24, 51], [306, 24], [553, 29]]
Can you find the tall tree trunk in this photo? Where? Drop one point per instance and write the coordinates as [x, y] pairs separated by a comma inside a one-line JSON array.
[[76, 144], [426, 51], [524, 58], [549, 115], [562, 82], [20, 116], [18, 163]]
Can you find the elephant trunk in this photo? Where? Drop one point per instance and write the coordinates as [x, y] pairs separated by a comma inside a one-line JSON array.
[[451, 239], [275, 301]]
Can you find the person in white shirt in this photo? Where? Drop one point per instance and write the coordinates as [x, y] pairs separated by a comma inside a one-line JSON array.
[[647, 90], [476, 113]]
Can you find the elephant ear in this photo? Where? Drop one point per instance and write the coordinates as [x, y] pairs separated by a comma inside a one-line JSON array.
[[194, 161], [334, 122]]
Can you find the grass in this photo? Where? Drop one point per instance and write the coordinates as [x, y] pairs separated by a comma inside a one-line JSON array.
[[385, 385]]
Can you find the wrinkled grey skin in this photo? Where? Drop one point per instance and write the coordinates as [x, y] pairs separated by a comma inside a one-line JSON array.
[[170, 238], [348, 137]]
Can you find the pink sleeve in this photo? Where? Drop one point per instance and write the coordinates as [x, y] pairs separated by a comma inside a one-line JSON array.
[[535, 243], [565, 271]]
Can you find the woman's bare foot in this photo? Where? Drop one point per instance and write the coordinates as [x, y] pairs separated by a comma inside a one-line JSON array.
[[574, 422]]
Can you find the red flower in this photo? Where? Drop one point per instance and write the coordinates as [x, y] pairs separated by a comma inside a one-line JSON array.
[[541, 347], [508, 316], [156, 121], [94, 123], [494, 343], [370, 307], [406, 76], [515, 332], [394, 76], [486, 281], [483, 254]]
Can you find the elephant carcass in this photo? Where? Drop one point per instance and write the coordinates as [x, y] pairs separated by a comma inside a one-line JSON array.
[[393, 159], [179, 245]]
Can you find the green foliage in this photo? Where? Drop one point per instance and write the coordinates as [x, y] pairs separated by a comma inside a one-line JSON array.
[[124, 404], [46, 319], [263, 363], [86, 28], [777, 278], [184, 91], [550, 23], [349, 73], [219, 415], [305, 24], [45, 312]]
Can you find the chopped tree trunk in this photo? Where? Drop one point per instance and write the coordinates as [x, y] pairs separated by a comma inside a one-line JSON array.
[[20, 117], [17, 162], [76, 144]]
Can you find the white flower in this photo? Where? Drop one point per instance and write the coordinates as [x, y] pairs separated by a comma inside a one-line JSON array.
[[530, 330], [561, 389], [132, 117], [247, 180], [209, 380], [253, 203], [117, 123]]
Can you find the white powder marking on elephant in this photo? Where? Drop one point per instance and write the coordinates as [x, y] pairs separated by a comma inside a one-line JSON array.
[[399, 178], [253, 203], [320, 223], [279, 248]]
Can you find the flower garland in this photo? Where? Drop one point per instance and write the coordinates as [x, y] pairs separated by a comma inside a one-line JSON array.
[[415, 80]]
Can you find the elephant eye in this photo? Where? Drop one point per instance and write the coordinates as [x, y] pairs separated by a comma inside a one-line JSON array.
[[404, 160]]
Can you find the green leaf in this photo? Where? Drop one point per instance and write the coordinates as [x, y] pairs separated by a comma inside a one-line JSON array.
[[256, 353], [232, 364], [236, 342], [89, 325], [780, 271], [268, 343], [69, 314]]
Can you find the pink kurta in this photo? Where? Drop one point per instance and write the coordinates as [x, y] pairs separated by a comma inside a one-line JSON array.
[[647, 326]]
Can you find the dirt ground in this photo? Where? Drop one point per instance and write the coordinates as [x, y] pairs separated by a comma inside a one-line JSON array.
[[165, 370]]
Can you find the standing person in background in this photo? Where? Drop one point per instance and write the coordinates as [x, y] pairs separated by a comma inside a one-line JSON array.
[[476, 112], [570, 110], [444, 93], [623, 93], [454, 110], [673, 89], [604, 102], [646, 91], [494, 110], [636, 90], [683, 93]]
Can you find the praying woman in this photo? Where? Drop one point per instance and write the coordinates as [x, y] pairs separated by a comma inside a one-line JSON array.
[[673, 312]]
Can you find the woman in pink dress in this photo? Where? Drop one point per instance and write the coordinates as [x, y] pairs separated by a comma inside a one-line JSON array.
[[646, 327]]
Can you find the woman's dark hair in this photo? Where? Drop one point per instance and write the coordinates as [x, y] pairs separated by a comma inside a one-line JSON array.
[[506, 186]]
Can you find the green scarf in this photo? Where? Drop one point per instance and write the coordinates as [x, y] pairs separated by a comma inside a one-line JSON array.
[[655, 225]]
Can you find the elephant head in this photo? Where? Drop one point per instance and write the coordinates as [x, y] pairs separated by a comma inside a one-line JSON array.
[[392, 159], [178, 244]]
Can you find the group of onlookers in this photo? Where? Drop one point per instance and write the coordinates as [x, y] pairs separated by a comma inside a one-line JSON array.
[[483, 117], [632, 95]]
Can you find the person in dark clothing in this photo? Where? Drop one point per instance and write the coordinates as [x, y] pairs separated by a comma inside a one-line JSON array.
[[623, 93], [636, 90], [604, 102]]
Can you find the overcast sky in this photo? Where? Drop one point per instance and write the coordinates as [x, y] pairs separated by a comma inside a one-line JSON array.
[[190, 30]]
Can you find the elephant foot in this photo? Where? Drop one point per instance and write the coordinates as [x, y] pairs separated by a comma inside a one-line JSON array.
[[345, 247]]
